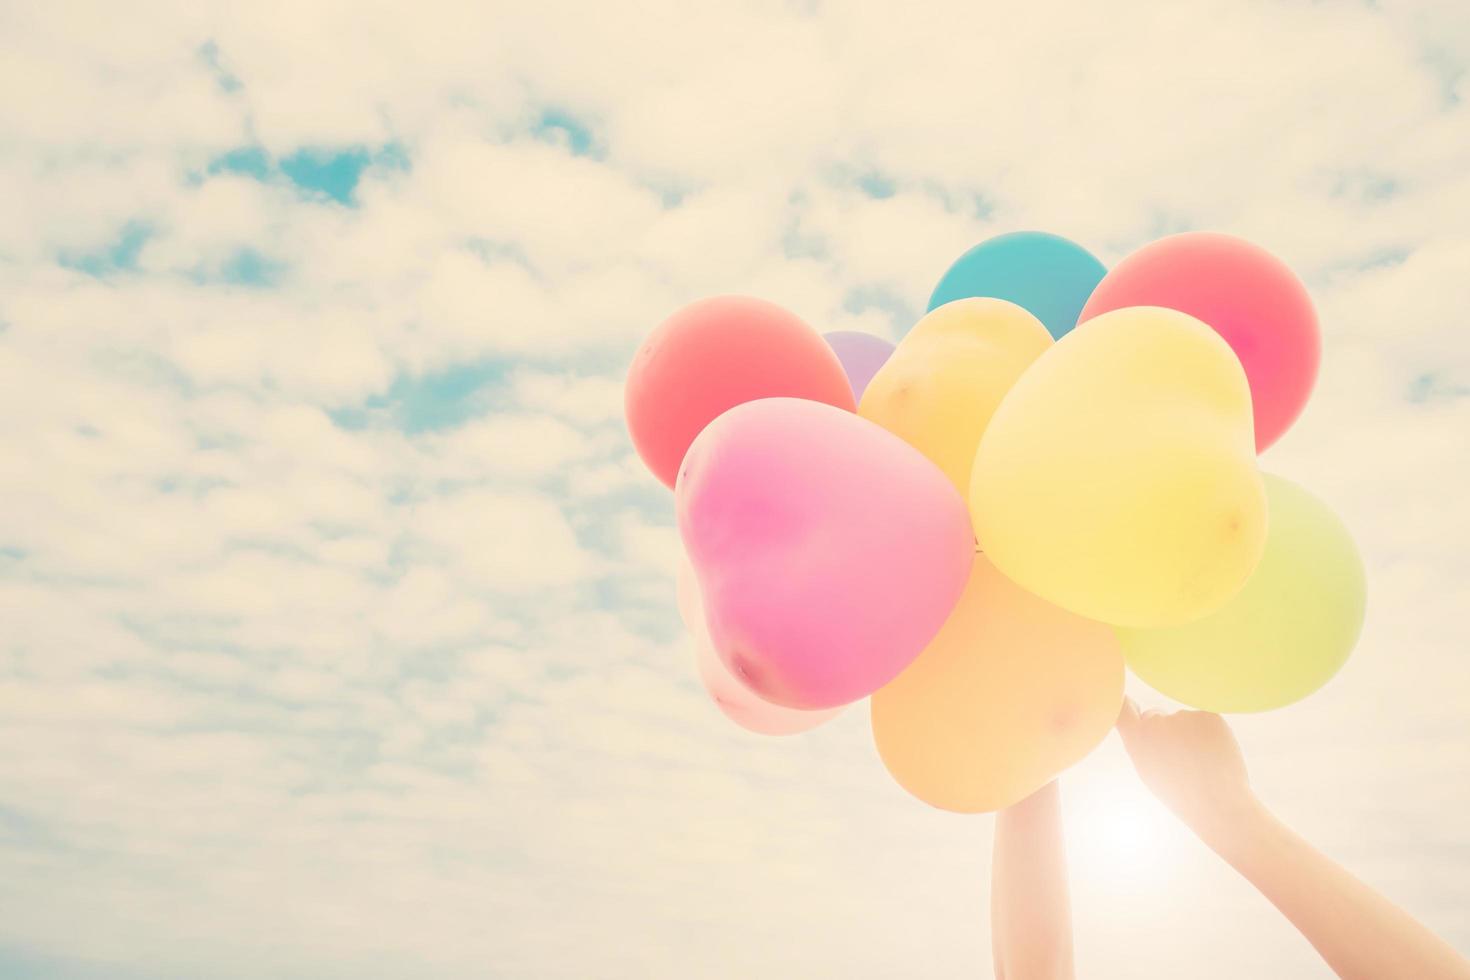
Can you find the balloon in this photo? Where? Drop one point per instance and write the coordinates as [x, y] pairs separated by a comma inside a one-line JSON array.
[[1012, 691], [947, 376], [686, 590], [1248, 295], [736, 701], [1046, 274], [1118, 478], [1283, 636], [828, 551], [712, 355], [861, 354]]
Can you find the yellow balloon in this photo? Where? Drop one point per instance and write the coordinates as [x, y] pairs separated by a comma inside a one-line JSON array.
[[940, 386], [1010, 692], [1283, 636], [1118, 478]]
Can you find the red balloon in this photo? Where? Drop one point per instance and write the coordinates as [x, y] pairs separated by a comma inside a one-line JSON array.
[[1247, 295], [712, 355]]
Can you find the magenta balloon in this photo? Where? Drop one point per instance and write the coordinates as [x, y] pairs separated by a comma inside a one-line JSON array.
[[861, 354], [736, 701], [1247, 295], [746, 708], [828, 550]]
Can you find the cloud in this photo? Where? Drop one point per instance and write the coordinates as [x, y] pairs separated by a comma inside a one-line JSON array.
[[510, 446], [586, 399], [338, 609], [502, 542]]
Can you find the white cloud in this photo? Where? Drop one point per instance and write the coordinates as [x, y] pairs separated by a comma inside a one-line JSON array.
[[585, 399], [507, 445], [565, 212], [503, 542], [472, 308], [415, 702]]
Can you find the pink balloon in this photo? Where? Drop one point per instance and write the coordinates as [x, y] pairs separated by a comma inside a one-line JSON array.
[[686, 588], [828, 550], [1251, 299], [736, 701], [713, 355]]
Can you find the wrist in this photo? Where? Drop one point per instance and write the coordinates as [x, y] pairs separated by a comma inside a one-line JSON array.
[[1233, 826]]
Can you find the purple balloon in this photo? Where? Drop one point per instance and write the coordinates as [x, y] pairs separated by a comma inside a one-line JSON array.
[[861, 354]]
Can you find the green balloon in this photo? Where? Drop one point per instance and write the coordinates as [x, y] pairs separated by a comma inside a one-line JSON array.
[[1283, 636]]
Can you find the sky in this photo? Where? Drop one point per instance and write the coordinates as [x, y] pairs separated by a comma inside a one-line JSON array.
[[339, 625]]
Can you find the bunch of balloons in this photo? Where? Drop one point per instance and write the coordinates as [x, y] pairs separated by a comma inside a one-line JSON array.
[[1054, 473]]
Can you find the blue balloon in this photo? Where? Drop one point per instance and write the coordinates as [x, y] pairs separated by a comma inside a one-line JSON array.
[[1046, 274]]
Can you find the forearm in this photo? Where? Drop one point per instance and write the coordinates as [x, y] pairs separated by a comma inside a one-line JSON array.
[[1360, 934], [1031, 920]]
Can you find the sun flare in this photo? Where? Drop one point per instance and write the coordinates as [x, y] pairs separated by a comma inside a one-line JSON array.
[[1121, 833]]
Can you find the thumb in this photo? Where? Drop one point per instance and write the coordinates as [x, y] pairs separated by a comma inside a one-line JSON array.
[[1128, 720]]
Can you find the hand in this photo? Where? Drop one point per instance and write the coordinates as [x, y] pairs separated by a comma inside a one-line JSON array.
[[1190, 761]]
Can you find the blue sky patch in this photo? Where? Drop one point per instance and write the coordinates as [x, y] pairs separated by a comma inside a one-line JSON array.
[[223, 77], [332, 173], [864, 298], [250, 161], [871, 181], [429, 402], [119, 255], [1433, 386], [797, 243], [1366, 186], [1448, 70], [495, 250], [248, 267], [16, 964], [876, 185], [561, 127]]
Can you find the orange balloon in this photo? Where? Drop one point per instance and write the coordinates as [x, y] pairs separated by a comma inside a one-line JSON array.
[[1012, 691]]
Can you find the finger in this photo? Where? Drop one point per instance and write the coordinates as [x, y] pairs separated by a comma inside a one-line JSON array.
[[1153, 717], [1127, 715], [1128, 722]]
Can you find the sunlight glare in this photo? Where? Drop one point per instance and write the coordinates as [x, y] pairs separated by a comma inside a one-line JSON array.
[[1120, 833]]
